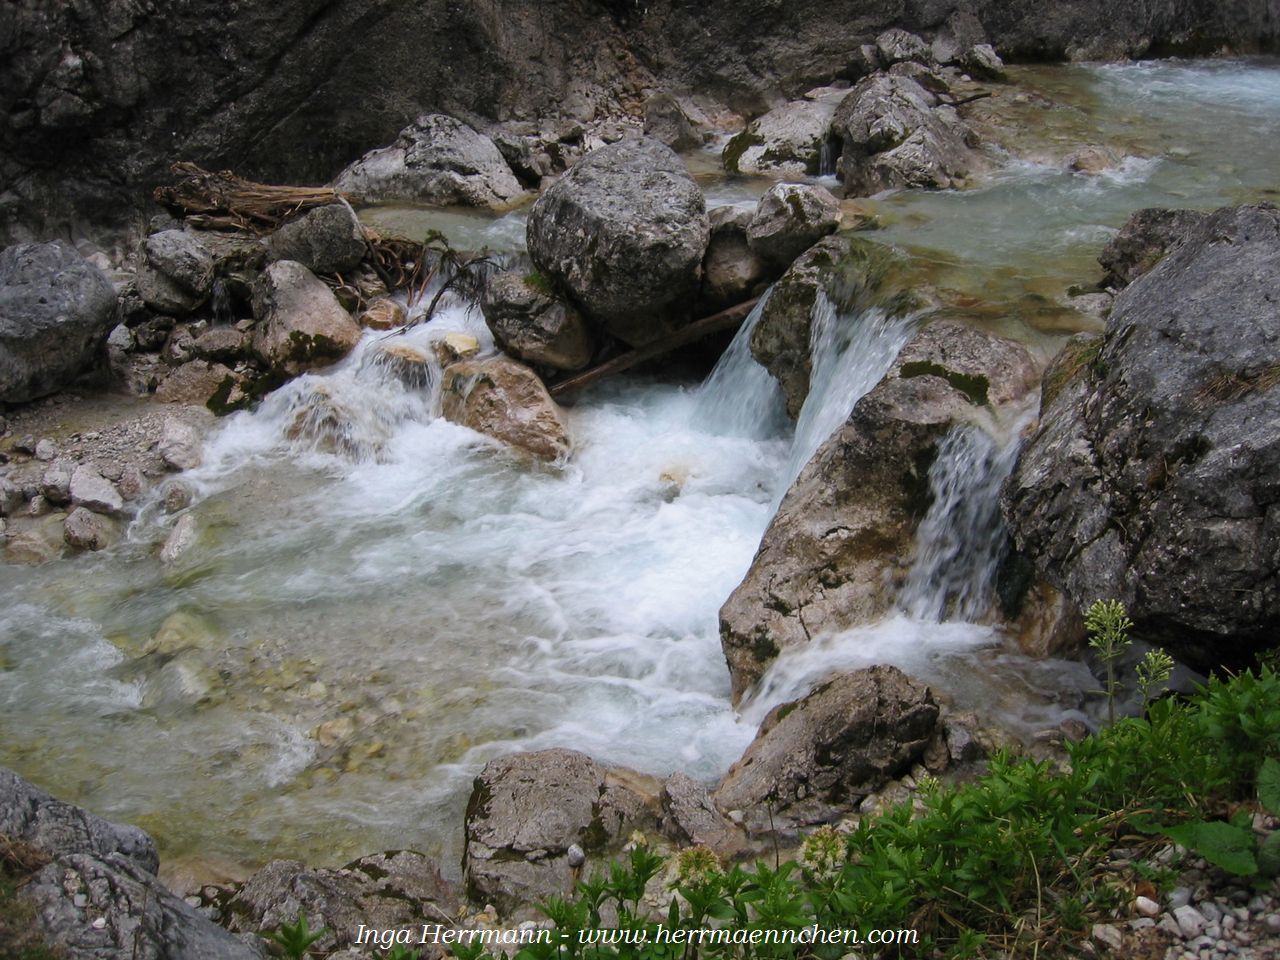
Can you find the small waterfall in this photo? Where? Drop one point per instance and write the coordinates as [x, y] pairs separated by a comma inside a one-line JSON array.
[[960, 543], [827, 157], [851, 351], [741, 398]]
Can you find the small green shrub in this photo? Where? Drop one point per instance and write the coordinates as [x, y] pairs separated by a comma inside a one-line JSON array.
[[293, 940]]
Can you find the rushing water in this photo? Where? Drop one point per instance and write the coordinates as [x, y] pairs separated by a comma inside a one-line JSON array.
[[380, 601]]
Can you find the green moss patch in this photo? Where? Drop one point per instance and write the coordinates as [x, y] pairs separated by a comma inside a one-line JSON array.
[[974, 386]]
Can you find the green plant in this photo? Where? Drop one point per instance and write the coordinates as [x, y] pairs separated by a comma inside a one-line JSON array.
[[401, 952], [1154, 670], [294, 939], [1109, 625]]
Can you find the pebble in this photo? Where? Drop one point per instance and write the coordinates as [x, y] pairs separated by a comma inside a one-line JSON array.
[[1190, 921], [575, 856], [1273, 923], [46, 449], [80, 900], [1179, 897], [1146, 906], [1107, 935]]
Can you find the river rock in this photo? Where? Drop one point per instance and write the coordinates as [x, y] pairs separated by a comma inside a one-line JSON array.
[[179, 445], [326, 239], [180, 540], [843, 538], [34, 540], [897, 45], [1151, 478], [1143, 241], [396, 889], [205, 384], [438, 160], [817, 756], [624, 232], [301, 325], [176, 273], [731, 270], [90, 489], [847, 269], [221, 344], [895, 133], [56, 310], [666, 122], [529, 322], [690, 818], [383, 314], [505, 400], [55, 482], [86, 530], [785, 142], [789, 219], [525, 813]]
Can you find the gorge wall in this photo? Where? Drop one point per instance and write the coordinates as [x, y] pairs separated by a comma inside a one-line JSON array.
[[97, 98]]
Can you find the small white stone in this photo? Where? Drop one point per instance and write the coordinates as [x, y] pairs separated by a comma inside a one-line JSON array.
[[1190, 921], [575, 856], [1273, 923], [1180, 897], [1146, 907], [80, 900], [1107, 935], [99, 924]]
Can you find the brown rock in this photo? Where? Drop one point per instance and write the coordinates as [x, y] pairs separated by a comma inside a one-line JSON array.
[[383, 314], [301, 325], [507, 401]]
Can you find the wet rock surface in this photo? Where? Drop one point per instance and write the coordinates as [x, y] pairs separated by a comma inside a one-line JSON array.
[[56, 310], [785, 142], [624, 232], [530, 323], [842, 541], [1151, 476], [300, 325], [789, 219], [731, 270], [1143, 241], [505, 400]]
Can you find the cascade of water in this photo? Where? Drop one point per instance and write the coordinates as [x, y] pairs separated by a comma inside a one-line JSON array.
[[851, 352], [827, 157], [741, 398], [961, 540]]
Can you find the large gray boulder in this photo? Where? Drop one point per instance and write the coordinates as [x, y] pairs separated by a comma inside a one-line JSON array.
[[56, 310], [789, 219], [438, 160], [97, 897], [176, 272], [895, 133], [1144, 240], [624, 232], [1152, 476], [528, 321], [785, 142], [818, 756], [300, 324], [326, 239], [528, 810], [843, 540]]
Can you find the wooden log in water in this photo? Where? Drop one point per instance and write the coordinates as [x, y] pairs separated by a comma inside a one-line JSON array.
[[727, 319]]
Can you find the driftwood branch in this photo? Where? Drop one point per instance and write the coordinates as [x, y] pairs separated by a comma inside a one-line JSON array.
[[717, 322], [224, 200]]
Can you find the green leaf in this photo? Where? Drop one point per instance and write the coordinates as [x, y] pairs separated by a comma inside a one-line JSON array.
[[1269, 785], [1269, 856], [1222, 844]]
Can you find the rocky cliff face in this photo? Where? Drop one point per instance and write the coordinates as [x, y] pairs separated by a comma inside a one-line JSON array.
[[97, 99]]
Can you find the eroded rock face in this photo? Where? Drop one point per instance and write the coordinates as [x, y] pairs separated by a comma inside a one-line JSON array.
[[820, 755], [624, 232], [1152, 476], [397, 889], [896, 133], [437, 159], [731, 271], [56, 310], [842, 541], [528, 809], [789, 219], [327, 239], [300, 325], [1144, 240], [505, 400], [528, 322], [785, 142]]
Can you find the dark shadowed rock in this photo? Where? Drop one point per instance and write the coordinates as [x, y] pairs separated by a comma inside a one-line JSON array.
[[437, 159], [397, 889], [731, 270], [666, 122], [56, 310], [1152, 476], [528, 809], [690, 818], [86, 530], [785, 142], [529, 322], [1143, 241], [176, 273], [898, 45], [843, 539], [895, 133], [505, 400], [789, 219], [326, 239], [818, 756], [300, 325], [624, 232]]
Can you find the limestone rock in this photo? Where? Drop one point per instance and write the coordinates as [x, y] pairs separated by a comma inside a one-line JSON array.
[[505, 400], [530, 323], [55, 482], [791, 218], [666, 122], [181, 539], [35, 541], [90, 531], [1144, 240], [383, 314], [624, 232], [438, 160], [822, 754], [690, 817], [898, 45], [843, 538], [92, 490], [785, 142], [526, 811], [731, 270], [205, 384], [179, 445], [221, 344], [326, 239], [176, 273], [1151, 478], [301, 325], [396, 889], [895, 133], [56, 310]]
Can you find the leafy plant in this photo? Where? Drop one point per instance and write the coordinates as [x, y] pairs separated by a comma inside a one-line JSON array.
[[1154, 670], [295, 939], [1109, 625]]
